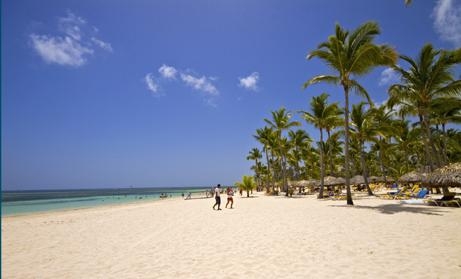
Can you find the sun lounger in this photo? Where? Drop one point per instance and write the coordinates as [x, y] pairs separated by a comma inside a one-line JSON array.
[[449, 200], [418, 198]]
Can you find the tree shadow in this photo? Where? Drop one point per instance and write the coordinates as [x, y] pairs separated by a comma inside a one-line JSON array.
[[399, 208], [292, 197]]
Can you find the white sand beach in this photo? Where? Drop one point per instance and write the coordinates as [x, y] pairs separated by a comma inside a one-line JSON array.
[[263, 237]]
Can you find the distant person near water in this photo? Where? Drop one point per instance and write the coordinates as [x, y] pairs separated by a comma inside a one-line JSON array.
[[217, 196], [230, 196]]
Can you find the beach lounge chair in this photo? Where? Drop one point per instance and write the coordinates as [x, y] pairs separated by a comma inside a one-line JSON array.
[[448, 200], [421, 194], [393, 195], [418, 198]]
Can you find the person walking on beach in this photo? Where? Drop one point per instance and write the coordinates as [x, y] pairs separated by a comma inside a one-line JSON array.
[[230, 196], [217, 196]]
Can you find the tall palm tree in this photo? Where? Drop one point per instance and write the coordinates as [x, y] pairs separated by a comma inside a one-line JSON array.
[[385, 130], [335, 120], [428, 77], [281, 121], [363, 130], [255, 154], [444, 111], [334, 148], [351, 55], [321, 117], [299, 139], [266, 136]]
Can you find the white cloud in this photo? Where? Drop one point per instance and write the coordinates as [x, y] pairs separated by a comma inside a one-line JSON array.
[[447, 21], [70, 25], [167, 72], [250, 82], [70, 47], [388, 76], [150, 82], [102, 44], [202, 84], [62, 51]]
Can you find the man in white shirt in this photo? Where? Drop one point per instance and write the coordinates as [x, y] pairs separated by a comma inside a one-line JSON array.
[[217, 196]]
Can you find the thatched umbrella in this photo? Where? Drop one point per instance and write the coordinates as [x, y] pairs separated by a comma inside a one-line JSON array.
[[448, 176], [331, 181], [358, 179], [313, 182], [299, 183], [413, 176]]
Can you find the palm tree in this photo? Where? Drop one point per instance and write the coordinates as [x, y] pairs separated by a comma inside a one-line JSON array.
[[247, 184], [333, 122], [299, 139], [428, 77], [363, 129], [385, 129], [321, 117], [334, 148], [266, 137], [444, 111], [281, 122], [255, 154], [351, 55]]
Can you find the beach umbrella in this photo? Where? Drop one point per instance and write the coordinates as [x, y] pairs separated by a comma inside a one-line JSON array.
[[331, 181], [301, 183], [413, 176], [358, 179], [447, 176], [313, 182]]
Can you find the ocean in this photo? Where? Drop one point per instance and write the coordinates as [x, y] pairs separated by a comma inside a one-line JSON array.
[[24, 202]]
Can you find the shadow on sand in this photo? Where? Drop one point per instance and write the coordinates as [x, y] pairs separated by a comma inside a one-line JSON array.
[[196, 198], [399, 208]]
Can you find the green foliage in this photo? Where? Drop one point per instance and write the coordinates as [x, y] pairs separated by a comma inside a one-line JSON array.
[[247, 184], [384, 137]]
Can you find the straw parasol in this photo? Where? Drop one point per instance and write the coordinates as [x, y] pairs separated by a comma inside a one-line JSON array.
[[306, 183], [358, 179], [331, 181], [449, 176], [413, 176]]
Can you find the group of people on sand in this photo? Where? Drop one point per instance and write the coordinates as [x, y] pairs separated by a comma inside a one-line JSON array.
[[217, 196]]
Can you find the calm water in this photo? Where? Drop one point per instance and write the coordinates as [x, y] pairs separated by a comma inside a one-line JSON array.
[[22, 202]]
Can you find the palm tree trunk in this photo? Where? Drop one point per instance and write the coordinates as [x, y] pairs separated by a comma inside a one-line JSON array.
[[435, 152], [381, 161], [258, 181], [284, 175], [269, 168], [346, 145], [322, 166], [364, 169], [427, 132], [330, 155], [444, 144]]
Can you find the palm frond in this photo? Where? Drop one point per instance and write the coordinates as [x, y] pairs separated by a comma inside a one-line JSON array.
[[322, 78]]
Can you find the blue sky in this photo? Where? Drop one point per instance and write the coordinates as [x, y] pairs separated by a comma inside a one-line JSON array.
[[170, 93]]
